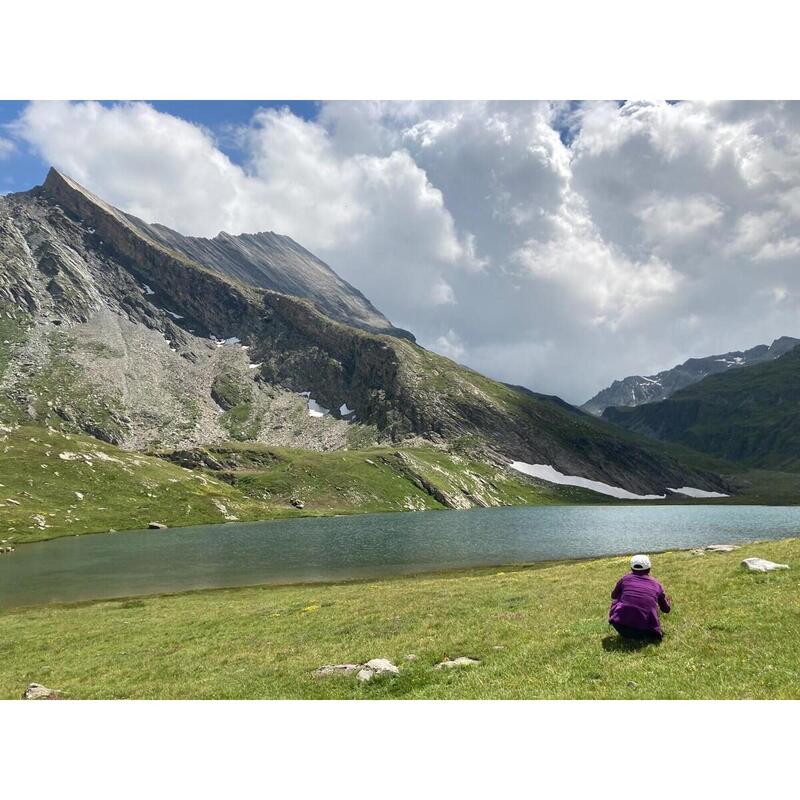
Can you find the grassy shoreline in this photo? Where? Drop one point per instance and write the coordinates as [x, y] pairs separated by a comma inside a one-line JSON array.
[[539, 631]]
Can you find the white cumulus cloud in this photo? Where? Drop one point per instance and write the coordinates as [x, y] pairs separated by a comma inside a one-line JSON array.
[[554, 245]]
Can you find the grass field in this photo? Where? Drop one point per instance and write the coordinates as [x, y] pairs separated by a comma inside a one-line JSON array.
[[539, 631], [54, 484]]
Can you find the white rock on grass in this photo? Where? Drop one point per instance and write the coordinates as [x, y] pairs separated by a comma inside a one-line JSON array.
[[761, 565], [365, 672], [461, 661], [377, 666], [714, 548], [36, 691], [382, 665]]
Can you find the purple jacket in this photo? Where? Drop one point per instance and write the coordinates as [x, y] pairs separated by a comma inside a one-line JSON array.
[[635, 602]]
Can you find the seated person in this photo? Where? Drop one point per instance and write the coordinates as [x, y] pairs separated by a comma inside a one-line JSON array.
[[636, 599]]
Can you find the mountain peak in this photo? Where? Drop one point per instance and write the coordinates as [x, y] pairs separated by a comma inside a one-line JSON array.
[[265, 260]]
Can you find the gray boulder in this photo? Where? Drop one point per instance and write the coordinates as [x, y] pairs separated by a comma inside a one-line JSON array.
[[36, 691], [364, 672], [156, 526], [376, 666], [762, 565], [722, 548], [382, 665]]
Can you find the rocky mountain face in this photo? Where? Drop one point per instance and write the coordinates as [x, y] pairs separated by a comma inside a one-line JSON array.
[[745, 415], [638, 389], [142, 338], [271, 261]]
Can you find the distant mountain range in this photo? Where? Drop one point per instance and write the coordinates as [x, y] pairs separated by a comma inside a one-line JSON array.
[[636, 390], [750, 415]]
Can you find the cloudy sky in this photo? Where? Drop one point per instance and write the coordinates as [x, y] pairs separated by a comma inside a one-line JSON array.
[[555, 245]]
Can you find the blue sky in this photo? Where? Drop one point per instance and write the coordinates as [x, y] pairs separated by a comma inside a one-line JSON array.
[[25, 168]]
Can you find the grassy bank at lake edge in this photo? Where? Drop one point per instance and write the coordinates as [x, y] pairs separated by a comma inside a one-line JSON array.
[[540, 632]]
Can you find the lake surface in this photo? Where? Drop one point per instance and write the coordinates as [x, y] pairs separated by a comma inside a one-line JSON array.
[[341, 548]]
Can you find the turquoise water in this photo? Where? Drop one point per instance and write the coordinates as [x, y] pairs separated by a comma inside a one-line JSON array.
[[342, 548]]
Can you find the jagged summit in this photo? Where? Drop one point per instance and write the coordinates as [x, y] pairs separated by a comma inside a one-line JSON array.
[[266, 260]]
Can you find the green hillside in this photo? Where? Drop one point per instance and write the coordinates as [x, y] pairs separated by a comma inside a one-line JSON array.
[[750, 416], [54, 484]]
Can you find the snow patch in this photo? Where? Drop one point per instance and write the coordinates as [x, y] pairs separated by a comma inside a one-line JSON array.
[[255, 366], [690, 492], [224, 342], [547, 473], [146, 289], [315, 409], [344, 410], [173, 314]]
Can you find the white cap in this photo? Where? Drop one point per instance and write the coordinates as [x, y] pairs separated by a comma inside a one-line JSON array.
[[640, 562]]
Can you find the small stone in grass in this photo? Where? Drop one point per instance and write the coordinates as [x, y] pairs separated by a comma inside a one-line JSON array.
[[632, 684], [461, 661], [365, 672], [36, 691], [377, 666], [762, 565]]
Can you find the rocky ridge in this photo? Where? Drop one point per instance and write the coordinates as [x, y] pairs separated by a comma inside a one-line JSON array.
[[636, 390]]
